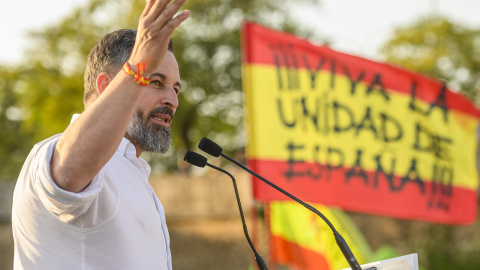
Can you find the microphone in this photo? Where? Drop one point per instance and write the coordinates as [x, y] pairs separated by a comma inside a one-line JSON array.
[[195, 159], [200, 161], [211, 148]]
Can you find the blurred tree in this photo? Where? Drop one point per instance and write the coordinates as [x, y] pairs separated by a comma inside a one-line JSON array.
[[43, 91], [12, 152], [441, 49], [40, 94]]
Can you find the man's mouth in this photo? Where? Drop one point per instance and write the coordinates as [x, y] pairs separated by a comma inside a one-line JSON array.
[[162, 118]]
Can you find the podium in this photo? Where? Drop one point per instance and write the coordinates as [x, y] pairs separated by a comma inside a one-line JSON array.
[[407, 262]]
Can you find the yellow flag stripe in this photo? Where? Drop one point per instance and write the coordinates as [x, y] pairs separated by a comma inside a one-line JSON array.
[[373, 123]]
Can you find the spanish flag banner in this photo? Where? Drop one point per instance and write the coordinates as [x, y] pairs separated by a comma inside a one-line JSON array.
[[340, 130], [301, 239]]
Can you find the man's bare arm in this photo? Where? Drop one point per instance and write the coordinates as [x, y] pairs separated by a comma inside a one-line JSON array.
[[88, 143]]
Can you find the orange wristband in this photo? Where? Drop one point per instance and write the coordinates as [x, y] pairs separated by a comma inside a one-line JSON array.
[[139, 79]]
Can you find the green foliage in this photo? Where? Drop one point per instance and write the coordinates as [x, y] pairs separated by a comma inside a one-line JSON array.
[[40, 94], [441, 49], [451, 247], [14, 142]]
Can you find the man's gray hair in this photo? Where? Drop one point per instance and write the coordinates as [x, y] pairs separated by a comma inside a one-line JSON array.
[[109, 55]]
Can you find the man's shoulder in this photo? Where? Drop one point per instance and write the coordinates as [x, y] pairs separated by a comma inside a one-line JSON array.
[[48, 140], [42, 146]]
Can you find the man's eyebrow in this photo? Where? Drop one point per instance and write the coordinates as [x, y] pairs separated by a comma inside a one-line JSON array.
[[164, 78]]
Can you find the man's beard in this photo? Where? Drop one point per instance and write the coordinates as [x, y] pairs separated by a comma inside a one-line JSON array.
[[150, 137]]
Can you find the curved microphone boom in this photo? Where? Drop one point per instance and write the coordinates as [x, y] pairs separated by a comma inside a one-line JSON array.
[[201, 161], [211, 148]]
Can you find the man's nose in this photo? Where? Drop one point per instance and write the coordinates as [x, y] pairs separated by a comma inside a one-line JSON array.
[[169, 97]]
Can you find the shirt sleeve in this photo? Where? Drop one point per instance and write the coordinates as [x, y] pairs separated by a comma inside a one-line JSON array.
[[65, 205]]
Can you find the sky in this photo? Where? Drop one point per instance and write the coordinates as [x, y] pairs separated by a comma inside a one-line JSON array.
[[357, 27], [360, 27]]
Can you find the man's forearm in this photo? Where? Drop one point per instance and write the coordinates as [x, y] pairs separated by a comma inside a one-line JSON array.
[[89, 142]]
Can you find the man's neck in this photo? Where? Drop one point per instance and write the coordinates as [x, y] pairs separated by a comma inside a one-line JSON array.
[[138, 149]]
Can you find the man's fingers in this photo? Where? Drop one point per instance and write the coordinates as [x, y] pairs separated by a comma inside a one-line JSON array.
[[147, 8], [175, 22], [155, 27], [171, 10], [171, 25], [158, 13], [157, 9]]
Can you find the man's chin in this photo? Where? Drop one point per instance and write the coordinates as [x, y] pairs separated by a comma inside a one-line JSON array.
[[149, 135]]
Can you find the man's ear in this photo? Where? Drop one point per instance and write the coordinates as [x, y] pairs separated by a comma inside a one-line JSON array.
[[103, 80]]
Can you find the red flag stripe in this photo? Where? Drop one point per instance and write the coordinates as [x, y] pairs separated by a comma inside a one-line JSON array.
[[437, 203], [290, 253]]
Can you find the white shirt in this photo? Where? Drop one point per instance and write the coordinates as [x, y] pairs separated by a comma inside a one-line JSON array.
[[117, 222]]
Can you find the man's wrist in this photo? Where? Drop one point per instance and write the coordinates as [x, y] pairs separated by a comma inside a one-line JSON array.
[[138, 75]]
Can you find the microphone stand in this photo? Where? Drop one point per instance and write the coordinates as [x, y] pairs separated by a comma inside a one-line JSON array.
[[342, 244], [215, 150], [260, 263]]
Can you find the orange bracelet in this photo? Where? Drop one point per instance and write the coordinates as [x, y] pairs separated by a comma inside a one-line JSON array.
[[139, 79]]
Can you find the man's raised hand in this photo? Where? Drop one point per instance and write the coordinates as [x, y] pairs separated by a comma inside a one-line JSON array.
[[155, 27]]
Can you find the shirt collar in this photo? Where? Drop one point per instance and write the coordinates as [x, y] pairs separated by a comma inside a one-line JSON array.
[[127, 149], [74, 117]]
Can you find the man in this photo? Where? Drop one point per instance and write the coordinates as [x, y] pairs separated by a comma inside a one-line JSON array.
[[82, 200]]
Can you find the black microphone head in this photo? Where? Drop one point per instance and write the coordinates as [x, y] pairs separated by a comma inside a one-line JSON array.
[[195, 159], [209, 147]]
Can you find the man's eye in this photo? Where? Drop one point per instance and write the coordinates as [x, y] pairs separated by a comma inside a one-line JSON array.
[[156, 83]]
